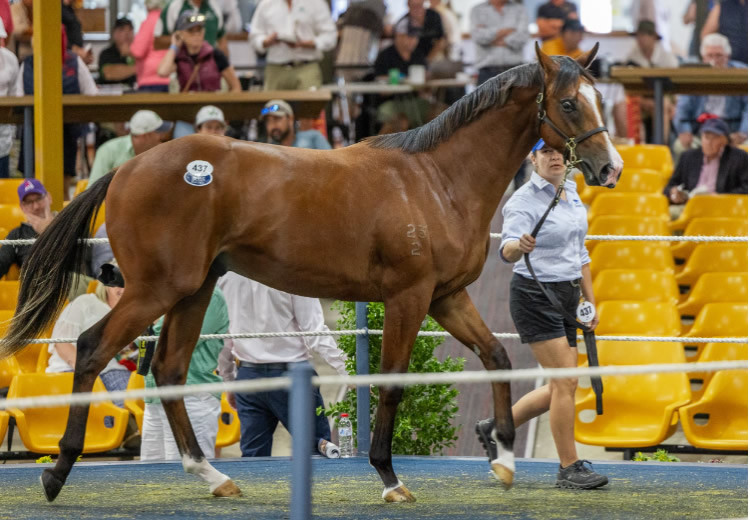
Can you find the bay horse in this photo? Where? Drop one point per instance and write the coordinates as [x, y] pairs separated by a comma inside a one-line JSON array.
[[402, 218]]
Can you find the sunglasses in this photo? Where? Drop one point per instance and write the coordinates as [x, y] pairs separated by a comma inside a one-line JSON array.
[[269, 110], [197, 18]]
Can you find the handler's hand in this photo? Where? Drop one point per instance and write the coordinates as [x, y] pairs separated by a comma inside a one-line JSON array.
[[527, 243], [593, 323]]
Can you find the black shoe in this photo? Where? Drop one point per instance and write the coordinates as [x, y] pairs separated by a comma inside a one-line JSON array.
[[578, 476], [484, 432]]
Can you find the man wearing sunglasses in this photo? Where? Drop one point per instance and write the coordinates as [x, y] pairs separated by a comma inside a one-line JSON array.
[[278, 117]]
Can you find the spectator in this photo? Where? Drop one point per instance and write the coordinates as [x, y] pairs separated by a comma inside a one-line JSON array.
[[360, 29], [451, 27], [401, 55], [116, 62], [210, 120], [257, 308], [655, 11], [646, 51], [79, 315], [203, 409], [278, 118], [715, 167], [551, 16], [36, 205], [8, 85], [729, 18], [715, 50], [146, 131], [147, 59], [76, 79], [430, 27], [7, 20], [696, 13], [293, 34], [499, 30], [567, 44], [22, 14], [230, 12], [75, 32], [199, 66], [210, 9]]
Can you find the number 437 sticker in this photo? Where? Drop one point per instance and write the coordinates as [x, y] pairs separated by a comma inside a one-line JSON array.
[[199, 173], [585, 312]]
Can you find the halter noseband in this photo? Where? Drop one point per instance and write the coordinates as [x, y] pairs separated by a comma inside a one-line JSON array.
[[571, 158]]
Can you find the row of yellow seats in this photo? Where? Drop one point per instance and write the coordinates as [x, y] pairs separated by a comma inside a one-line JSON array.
[[41, 429]]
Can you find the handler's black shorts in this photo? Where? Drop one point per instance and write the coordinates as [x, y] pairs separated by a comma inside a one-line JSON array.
[[535, 318]]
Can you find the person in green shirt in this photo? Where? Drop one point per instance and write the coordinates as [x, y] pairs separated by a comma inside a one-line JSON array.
[[157, 440], [146, 131]]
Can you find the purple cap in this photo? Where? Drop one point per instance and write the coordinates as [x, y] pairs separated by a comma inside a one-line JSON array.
[[30, 186]]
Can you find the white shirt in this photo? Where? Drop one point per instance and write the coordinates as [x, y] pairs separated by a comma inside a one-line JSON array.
[[77, 316], [254, 307], [8, 85], [660, 58], [306, 20]]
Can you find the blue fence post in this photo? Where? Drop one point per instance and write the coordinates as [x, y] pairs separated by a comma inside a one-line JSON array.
[[301, 421], [363, 392]]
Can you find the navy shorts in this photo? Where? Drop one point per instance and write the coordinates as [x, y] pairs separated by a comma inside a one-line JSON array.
[[535, 318]]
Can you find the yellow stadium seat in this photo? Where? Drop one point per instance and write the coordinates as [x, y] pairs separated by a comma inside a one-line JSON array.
[[80, 187], [636, 285], [631, 255], [630, 205], [718, 421], [4, 416], [652, 156], [91, 288], [8, 295], [580, 184], [229, 425], [639, 410], [723, 206], [714, 288], [713, 258], [632, 180], [709, 226], [136, 406], [28, 355], [99, 220], [11, 215], [43, 360], [743, 146], [623, 225], [716, 320], [13, 273], [625, 318], [9, 191], [9, 367], [42, 428], [714, 352]]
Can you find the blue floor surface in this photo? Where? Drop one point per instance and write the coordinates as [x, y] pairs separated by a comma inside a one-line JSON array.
[[445, 488]]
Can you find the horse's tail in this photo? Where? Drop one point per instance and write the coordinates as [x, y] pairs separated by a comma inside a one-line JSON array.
[[55, 260]]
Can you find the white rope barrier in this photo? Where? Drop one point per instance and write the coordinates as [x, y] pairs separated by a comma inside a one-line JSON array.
[[422, 333], [279, 383]]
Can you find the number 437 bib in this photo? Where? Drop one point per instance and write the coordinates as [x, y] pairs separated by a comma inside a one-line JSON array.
[[585, 312], [199, 173]]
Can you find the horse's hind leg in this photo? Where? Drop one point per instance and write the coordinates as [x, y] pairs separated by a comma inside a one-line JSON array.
[[182, 326], [95, 347], [403, 318], [457, 314]]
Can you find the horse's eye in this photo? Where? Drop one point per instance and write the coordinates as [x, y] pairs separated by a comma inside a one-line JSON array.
[[567, 105]]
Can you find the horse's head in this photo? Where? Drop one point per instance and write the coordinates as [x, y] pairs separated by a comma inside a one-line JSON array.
[[570, 117]]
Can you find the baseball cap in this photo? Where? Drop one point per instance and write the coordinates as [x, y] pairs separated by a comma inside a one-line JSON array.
[[538, 146], [209, 113], [30, 186], [646, 27], [189, 19], [572, 24], [145, 121], [715, 126], [278, 108]]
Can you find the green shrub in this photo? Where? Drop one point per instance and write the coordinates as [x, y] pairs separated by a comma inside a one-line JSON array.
[[424, 420], [661, 455]]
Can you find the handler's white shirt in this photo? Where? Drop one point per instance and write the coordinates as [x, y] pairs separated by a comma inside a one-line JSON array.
[[306, 20], [254, 307]]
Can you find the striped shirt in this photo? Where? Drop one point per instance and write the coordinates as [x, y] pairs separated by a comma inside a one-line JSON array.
[[560, 252]]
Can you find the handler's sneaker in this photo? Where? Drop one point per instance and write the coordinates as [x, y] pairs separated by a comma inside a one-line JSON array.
[[328, 449], [484, 432], [578, 476]]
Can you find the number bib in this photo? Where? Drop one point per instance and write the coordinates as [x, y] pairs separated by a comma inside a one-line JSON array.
[[199, 173], [585, 312]]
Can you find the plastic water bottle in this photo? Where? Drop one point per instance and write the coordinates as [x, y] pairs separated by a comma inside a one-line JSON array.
[[346, 443]]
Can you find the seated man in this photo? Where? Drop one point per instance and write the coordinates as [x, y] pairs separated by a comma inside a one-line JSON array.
[[278, 118], [715, 167], [146, 131], [715, 50], [36, 204], [116, 63], [567, 44]]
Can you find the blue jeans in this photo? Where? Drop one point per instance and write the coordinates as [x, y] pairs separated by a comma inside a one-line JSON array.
[[260, 413]]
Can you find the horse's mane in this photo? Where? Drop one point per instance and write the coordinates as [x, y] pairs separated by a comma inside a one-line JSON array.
[[493, 93]]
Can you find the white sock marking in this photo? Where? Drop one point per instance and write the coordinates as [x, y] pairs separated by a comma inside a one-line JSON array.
[[389, 489], [204, 470], [504, 457]]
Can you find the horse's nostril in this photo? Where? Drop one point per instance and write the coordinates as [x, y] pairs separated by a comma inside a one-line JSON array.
[[604, 173]]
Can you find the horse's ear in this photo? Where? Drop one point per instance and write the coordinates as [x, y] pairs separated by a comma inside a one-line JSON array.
[[585, 59], [548, 64]]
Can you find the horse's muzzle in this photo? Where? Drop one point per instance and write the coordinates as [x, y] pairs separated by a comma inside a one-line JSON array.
[[608, 175]]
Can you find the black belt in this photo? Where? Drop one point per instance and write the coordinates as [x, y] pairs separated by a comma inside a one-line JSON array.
[[267, 366], [295, 63]]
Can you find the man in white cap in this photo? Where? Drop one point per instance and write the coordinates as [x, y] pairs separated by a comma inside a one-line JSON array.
[[210, 120], [146, 129], [278, 117], [8, 77]]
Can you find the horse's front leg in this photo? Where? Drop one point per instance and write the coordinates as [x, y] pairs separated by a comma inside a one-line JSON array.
[[403, 317], [95, 347], [457, 314], [182, 326]]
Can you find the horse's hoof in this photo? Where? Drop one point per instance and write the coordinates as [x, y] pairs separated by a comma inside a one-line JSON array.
[[227, 489], [502, 474], [399, 494], [51, 484]]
